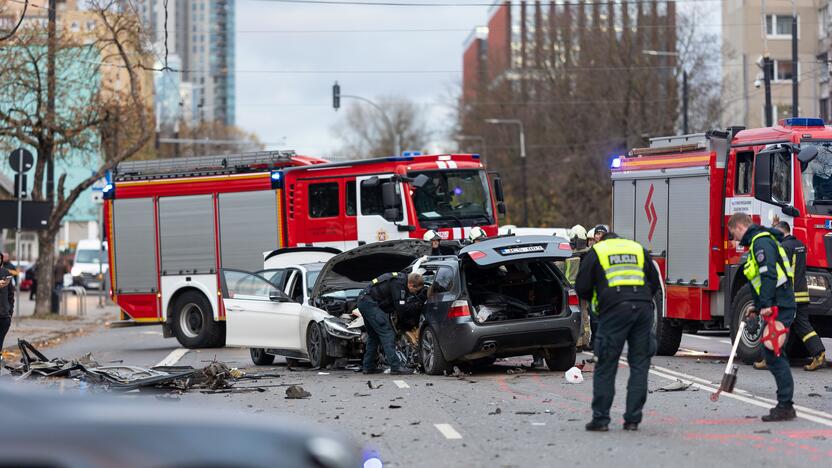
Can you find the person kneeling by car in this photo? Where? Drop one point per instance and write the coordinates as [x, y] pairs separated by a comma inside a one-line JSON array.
[[390, 293]]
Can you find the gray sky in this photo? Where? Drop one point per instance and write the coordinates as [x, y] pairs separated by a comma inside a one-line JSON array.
[[299, 106]]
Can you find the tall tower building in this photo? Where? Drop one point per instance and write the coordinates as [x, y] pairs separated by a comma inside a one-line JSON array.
[[200, 33]]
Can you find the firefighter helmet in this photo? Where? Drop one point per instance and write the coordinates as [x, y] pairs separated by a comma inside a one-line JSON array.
[[431, 235], [578, 231], [477, 234]]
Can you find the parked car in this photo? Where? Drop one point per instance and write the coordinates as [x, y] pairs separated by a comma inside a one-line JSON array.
[[90, 264], [499, 298], [44, 428], [275, 312]]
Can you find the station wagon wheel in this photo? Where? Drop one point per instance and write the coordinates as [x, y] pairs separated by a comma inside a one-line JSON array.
[[432, 358], [316, 346]]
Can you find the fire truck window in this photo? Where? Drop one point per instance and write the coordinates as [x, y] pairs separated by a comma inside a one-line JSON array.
[[323, 200], [350, 208], [371, 201], [743, 173], [781, 186]]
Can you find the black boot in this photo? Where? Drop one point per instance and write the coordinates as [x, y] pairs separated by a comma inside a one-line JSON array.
[[593, 426], [630, 426], [781, 412]]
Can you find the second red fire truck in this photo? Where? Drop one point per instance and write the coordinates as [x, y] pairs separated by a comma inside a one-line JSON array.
[[676, 196], [173, 224]]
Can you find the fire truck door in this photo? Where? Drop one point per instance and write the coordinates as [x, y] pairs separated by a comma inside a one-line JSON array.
[[259, 315], [375, 222]]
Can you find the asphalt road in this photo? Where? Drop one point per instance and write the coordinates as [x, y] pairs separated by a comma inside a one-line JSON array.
[[493, 418]]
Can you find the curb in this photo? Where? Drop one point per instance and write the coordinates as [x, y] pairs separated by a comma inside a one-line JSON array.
[[53, 338]]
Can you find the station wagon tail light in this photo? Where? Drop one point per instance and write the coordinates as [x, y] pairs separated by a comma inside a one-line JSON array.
[[476, 254], [565, 246], [459, 309], [573, 298]]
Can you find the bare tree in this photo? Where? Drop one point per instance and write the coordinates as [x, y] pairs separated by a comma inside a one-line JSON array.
[[99, 87], [586, 92], [364, 131]]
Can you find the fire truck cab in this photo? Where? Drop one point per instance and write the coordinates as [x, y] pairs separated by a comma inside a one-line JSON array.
[[174, 224], [676, 196]]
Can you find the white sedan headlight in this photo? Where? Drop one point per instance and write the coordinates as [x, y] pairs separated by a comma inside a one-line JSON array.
[[339, 330]]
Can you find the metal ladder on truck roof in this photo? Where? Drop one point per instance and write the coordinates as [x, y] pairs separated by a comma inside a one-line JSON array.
[[673, 144], [201, 165]]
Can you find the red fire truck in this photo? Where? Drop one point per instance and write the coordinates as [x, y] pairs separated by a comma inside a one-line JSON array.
[[173, 224], [676, 196]]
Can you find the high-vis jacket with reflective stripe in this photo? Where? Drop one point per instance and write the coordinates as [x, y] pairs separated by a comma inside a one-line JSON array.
[[616, 270], [768, 268], [796, 251]]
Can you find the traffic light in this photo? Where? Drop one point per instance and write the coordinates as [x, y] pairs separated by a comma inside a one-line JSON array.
[[336, 96]]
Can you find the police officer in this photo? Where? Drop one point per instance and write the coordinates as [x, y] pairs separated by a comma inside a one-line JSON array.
[[768, 269], [801, 326], [617, 275], [388, 294]]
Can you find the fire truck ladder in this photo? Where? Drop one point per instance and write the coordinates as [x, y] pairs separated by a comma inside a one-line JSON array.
[[201, 165], [673, 144]]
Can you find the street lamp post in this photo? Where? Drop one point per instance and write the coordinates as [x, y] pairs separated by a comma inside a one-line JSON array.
[[522, 159]]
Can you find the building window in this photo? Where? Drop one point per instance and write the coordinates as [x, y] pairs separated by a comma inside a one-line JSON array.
[[823, 67], [783, 70], [824, 109], [780, 26], [323, 200], [823, 22]]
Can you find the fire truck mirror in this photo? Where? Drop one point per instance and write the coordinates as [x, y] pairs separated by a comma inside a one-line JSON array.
[[501, 208], [807, 155], [789, 210], [370, 183], [762, 176], [392, 214], [389, 196], [498, 191]]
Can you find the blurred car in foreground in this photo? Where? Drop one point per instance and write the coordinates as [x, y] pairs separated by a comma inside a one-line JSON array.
[[46, 429]]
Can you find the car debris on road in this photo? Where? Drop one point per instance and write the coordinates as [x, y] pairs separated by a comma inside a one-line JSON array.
[[213, 377]]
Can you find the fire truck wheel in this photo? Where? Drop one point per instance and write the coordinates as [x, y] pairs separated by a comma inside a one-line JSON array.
[[316, 346], [260, 357], [193, 322], [750, 348], [668, 335]]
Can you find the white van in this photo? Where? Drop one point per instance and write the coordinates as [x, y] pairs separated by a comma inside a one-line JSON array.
[[90, 265]]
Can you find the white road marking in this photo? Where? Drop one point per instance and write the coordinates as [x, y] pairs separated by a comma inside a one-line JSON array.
[[538, 424], [725, 341], [706, 338], [173, 357], [152, 333], [809, 414], [401, 384], [448, 431]]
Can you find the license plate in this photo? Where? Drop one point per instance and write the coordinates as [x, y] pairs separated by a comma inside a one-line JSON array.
[[522, 250]]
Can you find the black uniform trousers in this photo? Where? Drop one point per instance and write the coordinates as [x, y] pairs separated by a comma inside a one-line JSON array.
[[630, 323], [804, 331], [779, 365]]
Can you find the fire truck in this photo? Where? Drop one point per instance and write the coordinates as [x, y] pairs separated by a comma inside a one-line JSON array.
[[173, 224], [675, 198]]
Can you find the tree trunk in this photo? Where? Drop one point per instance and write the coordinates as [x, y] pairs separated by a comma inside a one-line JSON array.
[[45, 271]]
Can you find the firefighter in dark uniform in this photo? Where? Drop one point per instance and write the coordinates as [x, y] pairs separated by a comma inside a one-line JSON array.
[[390, 293], [801, 327], [618, 276], [768, 270]]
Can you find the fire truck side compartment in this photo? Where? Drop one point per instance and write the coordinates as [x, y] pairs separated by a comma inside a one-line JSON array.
[[186, 235], [248, 227], [688, 247], [135, 256]]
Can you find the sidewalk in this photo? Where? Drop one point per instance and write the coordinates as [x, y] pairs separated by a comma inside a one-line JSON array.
[[45, 331]]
